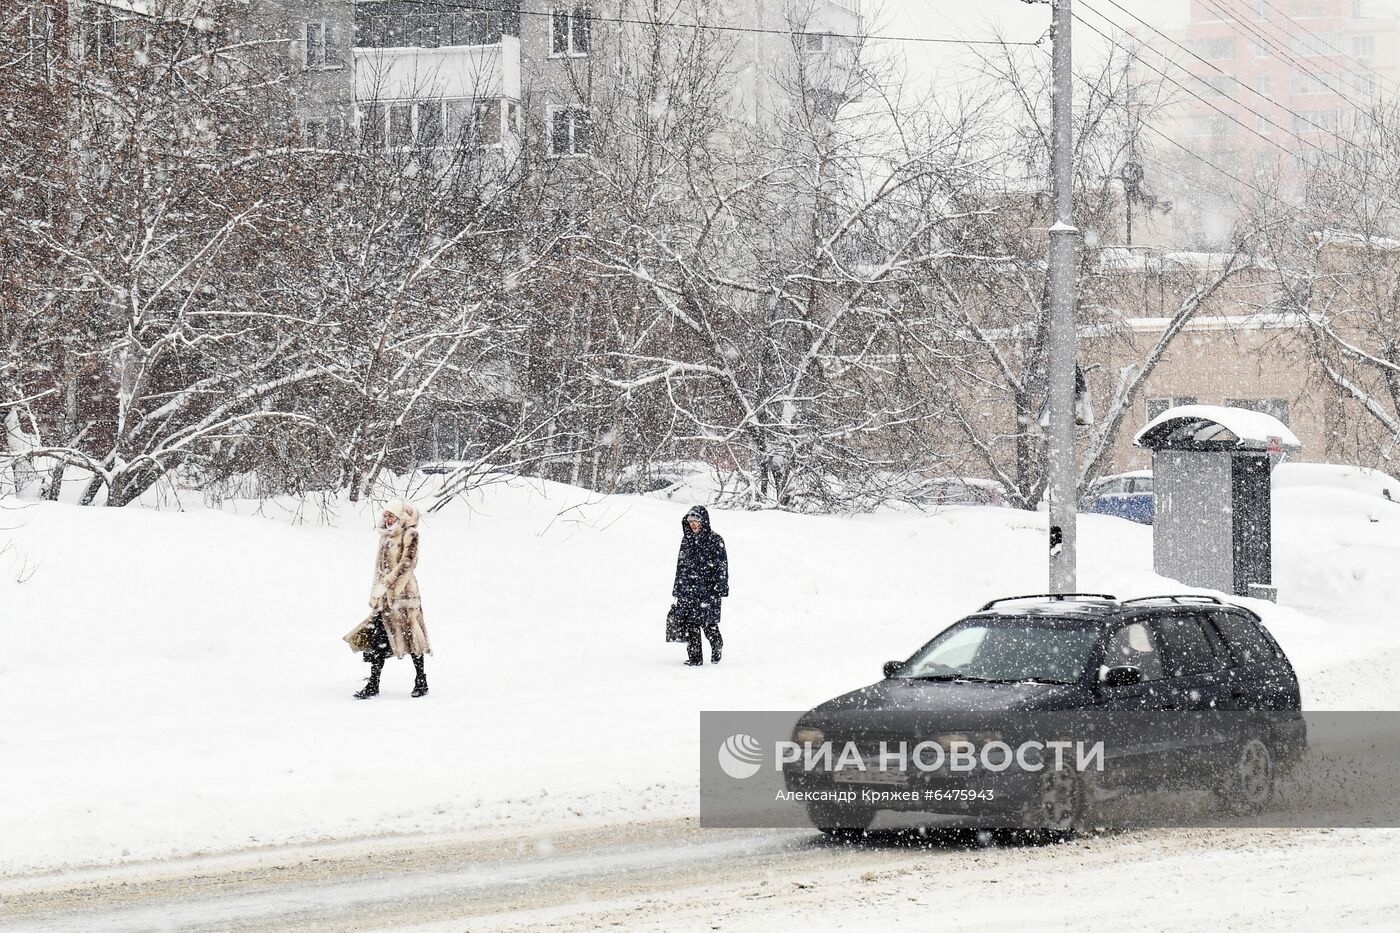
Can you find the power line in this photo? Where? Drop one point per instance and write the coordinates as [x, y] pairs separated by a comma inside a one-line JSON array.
[[1208, 163], [1227, 15], [1364, 67], [713, 27], [1355, 188], [1212, 105], [1156, 132], [1195, 155], [1257, 93]]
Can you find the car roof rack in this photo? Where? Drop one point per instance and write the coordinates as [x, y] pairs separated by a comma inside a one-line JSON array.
[[1057, 597], [1178, 598]]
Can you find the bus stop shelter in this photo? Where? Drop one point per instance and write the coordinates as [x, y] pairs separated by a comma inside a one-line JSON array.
[[1212, 522]]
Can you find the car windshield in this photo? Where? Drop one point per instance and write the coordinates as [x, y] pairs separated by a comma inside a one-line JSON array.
[[1009, 649]]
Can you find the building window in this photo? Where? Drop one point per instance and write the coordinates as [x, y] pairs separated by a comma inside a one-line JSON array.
[[400, 125], [370, 121], [1327, 120], [1155, 406], [1363, 47], [815, 41], [571, 32], [1222, 86], [431, 124], [1278, 407], [568, 132], [323, 132], [488, 122], [1215, 49], [1260, 49], [318, 40], [474, 123], [1315, 45]]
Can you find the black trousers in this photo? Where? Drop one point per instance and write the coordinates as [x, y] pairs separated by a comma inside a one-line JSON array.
[[692, 647]]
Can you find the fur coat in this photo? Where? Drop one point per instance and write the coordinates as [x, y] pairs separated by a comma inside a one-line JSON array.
[[394, 593]]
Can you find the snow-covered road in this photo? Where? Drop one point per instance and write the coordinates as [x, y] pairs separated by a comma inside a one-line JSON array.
[[671, 876]]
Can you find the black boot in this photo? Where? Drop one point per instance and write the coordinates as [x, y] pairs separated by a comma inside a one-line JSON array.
[[371, 688], [420, 682]]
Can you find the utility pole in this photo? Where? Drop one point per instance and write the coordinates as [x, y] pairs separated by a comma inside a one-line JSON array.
[[1064, 296]]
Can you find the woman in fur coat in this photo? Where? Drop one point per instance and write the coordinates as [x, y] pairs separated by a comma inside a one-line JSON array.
[[396, 611]]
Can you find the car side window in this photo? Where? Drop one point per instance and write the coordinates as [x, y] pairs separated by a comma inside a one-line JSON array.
[[1114, 487], [1132, 646], [1142, 484], [1185, 648], [1247, 644]]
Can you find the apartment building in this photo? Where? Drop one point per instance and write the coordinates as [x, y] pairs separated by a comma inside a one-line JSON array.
[[430, 69], [1279, 76]]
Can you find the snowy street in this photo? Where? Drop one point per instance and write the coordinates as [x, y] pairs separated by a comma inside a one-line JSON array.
[[672, 877]]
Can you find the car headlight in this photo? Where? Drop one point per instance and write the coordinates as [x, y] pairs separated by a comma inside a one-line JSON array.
[[807, 735]]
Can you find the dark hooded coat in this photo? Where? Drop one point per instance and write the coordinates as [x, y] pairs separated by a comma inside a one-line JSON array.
[[702, 572]]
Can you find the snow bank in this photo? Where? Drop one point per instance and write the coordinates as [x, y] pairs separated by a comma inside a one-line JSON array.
[[175, 682], [1337, 476]]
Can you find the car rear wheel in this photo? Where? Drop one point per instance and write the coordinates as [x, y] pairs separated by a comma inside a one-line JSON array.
[[840, 821], [1248, 785]]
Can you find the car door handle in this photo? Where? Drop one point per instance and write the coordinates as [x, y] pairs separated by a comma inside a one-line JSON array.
[[1238, 694]]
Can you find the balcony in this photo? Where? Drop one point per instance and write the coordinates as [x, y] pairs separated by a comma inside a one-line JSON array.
[[447, 72]]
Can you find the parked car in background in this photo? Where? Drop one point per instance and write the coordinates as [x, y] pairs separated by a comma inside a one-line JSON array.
[[913, 491], [688, 482], [1129, 495], [967, 490], [1126, 495]]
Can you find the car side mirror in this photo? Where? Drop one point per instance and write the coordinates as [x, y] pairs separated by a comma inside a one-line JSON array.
[[891, 668], [1124, 676]]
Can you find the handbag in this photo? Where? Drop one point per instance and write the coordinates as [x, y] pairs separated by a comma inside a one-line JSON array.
[[361, 638], [675, 626]]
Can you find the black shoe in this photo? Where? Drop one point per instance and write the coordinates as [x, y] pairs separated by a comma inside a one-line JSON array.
[[714, 656], [420, 680], [371, 687], [694, 663]]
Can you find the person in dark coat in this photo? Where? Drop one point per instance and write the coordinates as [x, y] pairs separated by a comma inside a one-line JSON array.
[[702, 580]]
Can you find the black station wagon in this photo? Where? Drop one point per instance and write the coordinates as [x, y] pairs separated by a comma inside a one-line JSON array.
[[1191, 691]]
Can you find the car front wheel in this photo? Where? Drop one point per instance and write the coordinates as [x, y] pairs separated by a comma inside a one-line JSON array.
[[1059, 810]]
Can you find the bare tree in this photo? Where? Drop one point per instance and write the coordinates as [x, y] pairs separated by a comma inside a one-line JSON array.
[[1338, 277], [996, 311]]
